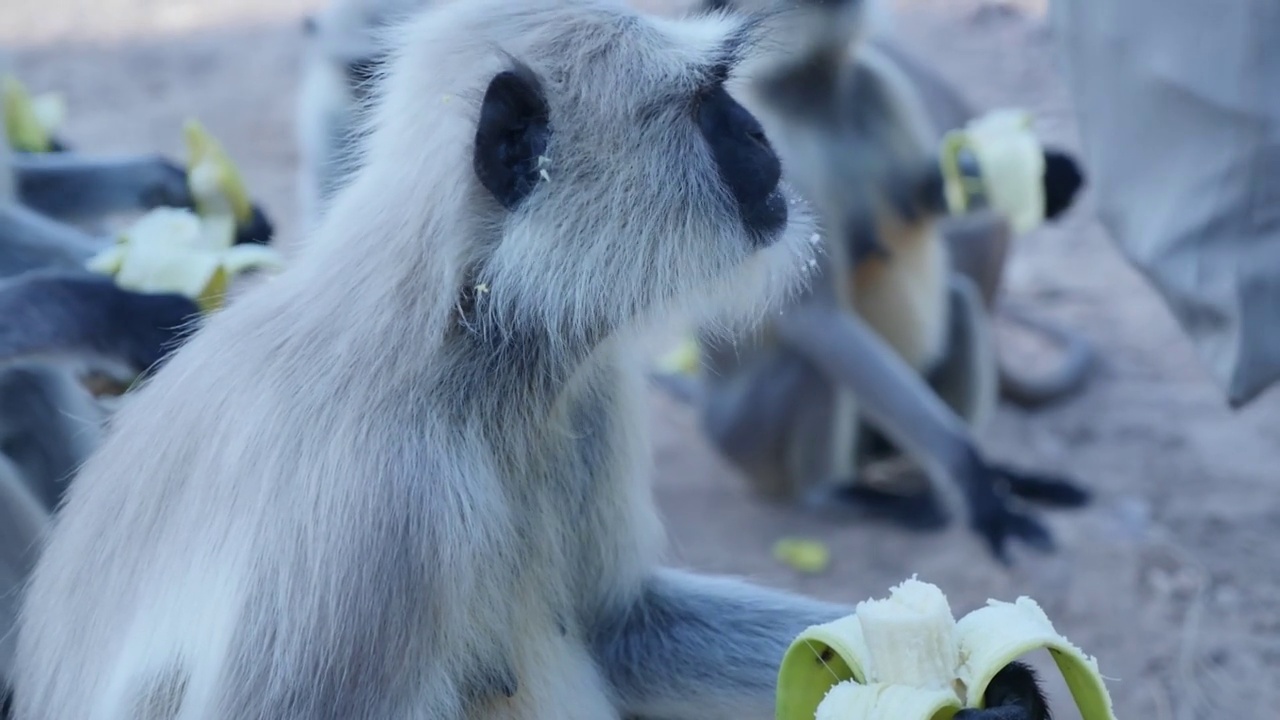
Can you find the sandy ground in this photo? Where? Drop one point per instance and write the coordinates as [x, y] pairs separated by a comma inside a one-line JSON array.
[[1170, 579]]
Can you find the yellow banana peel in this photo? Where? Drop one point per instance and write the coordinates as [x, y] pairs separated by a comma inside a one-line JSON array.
[[214, 181], [1010, 163], [175, 250], [30, 122], [906, 658]]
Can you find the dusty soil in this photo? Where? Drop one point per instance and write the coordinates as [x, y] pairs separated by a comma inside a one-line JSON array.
[[1170, 579]]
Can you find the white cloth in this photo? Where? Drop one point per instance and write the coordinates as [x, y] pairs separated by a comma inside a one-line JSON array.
[[1178, 104]]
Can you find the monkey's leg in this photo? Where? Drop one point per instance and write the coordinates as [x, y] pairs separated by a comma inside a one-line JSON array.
[[967, 381], [895, 398], [702, 648], [750, 414], [73, 187], [979, 247], [29, 241]]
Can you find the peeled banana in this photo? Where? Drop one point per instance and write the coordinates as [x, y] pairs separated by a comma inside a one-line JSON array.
[[175, 250], [1010, 165], [194, 254], [906, 658], [30, 123]]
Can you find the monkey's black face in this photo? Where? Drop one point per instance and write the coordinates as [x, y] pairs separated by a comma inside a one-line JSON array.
[[747, 164], [1063, 179], [1014, 694]]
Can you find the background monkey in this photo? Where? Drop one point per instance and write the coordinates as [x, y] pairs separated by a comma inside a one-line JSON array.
[[345, 49], [785, 403]]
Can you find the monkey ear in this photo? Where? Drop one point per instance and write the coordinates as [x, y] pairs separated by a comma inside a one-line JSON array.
[[511, 136], [1062, 180]]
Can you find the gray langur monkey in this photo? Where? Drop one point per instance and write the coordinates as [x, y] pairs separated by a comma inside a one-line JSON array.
[[345, 46], [430, 498], [787, 404]]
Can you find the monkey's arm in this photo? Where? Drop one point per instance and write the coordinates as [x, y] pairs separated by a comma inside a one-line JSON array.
[[29, 240], [88, 316], [901, 404], [74, 187], [701, 648]]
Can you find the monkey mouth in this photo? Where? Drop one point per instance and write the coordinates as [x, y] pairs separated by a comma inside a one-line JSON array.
[[766, 220]]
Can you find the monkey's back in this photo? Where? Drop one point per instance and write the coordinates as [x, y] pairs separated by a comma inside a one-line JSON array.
[[189, 538]]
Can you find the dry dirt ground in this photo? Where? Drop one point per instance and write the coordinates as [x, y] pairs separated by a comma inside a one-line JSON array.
[[1170, 579]]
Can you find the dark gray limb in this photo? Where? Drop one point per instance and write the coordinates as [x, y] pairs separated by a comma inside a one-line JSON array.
[[701, 648]]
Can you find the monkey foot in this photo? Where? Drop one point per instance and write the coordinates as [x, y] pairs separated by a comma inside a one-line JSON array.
[[917, 512], [1045, 489]]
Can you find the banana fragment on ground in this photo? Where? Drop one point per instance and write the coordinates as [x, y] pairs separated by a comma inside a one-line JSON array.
[[906, 658], [1010, 167], [175, 250], [809, 556], [30, 123]]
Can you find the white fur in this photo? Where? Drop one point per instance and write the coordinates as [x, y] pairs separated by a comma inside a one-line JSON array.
[[336, 500]]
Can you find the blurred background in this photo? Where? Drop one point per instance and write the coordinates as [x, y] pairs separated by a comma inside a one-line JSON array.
[[1170, 579]]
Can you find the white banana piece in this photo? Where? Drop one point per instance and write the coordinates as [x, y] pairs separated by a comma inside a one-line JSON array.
[[906, 658], [1010, 163]]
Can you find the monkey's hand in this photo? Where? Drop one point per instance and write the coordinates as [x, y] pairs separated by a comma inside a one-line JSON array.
[[906, 658], [989, 495], [164, 185]]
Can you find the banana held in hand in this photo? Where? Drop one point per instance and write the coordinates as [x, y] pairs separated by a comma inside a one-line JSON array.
[[213, 179], [906, 658], [175, 250], [1010, 168], [30, 123]]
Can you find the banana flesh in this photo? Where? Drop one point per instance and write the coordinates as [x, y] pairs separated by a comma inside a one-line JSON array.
[[906, 658], [1010, 164]]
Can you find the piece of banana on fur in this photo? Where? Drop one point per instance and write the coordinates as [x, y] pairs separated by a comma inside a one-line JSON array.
[[31, 122], [906, 658]]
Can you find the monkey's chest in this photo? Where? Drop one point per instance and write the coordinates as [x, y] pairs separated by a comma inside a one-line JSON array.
[[904, 297]]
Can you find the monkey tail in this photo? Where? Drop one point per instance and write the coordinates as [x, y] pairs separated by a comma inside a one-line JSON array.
[[1067, 380]]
